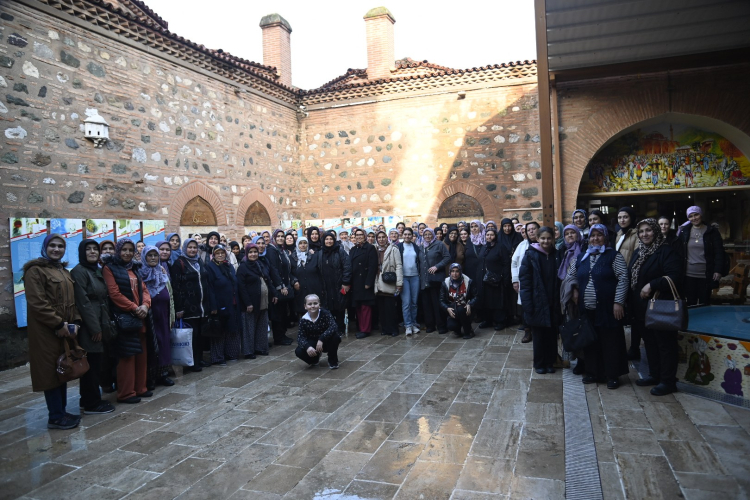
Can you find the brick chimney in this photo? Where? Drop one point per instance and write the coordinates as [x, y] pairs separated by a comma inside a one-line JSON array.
[[380, 50], [277, 47]]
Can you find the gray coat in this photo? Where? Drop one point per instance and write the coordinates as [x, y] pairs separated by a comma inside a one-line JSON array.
[[91, 301], [437, 255]]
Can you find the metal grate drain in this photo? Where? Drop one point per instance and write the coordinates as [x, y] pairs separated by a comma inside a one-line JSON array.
[[582, 479]]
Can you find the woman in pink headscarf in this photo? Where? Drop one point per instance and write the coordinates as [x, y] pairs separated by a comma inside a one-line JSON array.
[[703, 257]]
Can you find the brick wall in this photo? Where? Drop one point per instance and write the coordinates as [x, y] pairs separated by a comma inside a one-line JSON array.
[[277, 51]]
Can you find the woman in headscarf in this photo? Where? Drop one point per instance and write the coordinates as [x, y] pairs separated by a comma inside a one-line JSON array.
[[280, 312], [509, 239], [159, 288], [471, 254], [129, 295], [455, 247], [434, 259], [627, 239], [165, 254], [371, 237], [581, 221], [337, 277], [393, 236], [652, 263], [235, 250], [91, 302], [307, 271], [559, 238], [491, 225], [52, 316], [438, 233], [600, 280], [476, 228], [190, 283], [494, 267], [139, 246], [313, 240], [529, 235], [364, 262], [702, 251], [256, 293], [458, 296], [596, 216], [175, 242], [389, 261], [567, 255], [223, 299], [206, 250], [540, 295]]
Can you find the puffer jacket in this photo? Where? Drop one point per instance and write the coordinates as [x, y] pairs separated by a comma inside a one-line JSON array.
[[391, 263]]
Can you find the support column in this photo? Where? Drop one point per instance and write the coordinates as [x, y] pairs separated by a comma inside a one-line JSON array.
[[545, 131]]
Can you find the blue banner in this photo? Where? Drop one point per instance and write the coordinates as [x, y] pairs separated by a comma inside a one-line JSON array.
[[26, 237], [72, 231]]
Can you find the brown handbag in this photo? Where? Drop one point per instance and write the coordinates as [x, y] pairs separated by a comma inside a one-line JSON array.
[[667, 315], [72, 364]]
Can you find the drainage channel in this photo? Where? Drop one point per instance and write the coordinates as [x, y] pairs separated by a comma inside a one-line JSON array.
[[582, 479]]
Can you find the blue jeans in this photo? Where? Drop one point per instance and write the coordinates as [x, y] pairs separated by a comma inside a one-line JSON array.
[[56, 399], [409, 295]]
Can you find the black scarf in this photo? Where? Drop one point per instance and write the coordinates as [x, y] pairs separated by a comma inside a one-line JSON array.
[[82, 255]]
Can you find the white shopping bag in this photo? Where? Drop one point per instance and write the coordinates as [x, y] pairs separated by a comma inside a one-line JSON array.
[[181, 341]]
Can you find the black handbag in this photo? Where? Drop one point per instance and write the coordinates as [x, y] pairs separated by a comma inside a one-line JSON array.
[[212, 327], [577, 334], [491, 278], [389, 277], [127, 324], [667, 315]]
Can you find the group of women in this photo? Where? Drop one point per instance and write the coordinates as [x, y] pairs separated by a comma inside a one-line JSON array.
[[121, 301]]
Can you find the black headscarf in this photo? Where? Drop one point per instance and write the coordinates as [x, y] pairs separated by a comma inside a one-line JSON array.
[[314, 245], [452, 245], [631, 212], [82, 254], [207, 248], [508, 241], [336, 244]]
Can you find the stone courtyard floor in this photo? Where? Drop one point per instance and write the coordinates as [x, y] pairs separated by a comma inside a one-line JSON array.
[[427, 417]]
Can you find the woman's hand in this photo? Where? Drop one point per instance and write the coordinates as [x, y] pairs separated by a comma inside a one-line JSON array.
[[97, 337], [312, 352], [717, 276], [284, 292], [249, 309], [319, 347], [619, 311], [274, 300], [63, 332], [141, 312], [516, 287], [468, 309], [178, 315], [347, 288], [646, 291], [399, 288], [451, 312], [296, 286], [432, 270], [214, 312]]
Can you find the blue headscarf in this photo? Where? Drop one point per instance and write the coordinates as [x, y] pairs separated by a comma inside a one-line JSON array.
[[265, 248], [154, 277], [175, 253], [593, 250]]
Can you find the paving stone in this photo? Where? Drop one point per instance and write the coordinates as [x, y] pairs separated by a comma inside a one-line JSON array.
[[392, 462], [366, 437], [430, 480], [646, 476]]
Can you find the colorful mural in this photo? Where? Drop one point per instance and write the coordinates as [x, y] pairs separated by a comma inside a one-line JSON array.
[[719, 364], [666, 156]]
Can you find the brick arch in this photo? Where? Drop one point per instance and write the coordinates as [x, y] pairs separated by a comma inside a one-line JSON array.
[[251, 197], [489, 205], [647, 102], [187, 193]]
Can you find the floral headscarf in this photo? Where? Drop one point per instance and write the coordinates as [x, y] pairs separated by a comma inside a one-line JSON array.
[[118, 248], [572, 251], [644, 252], [477, 239], [154, 277]]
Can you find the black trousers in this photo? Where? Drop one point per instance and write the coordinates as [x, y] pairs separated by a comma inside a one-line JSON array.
[[545, 346], [388, 314], [607, 357], [662, 354], [511, 297], [462, 320], [279, 315], [697, 291], [495, 316], [331, 346], [108, 365], [339, 317], [433, 314], [89, 382], [199, 341]]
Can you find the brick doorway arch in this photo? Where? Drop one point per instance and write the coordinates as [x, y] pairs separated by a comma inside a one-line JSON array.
[[186, 194], [247, 201], [489, 206]]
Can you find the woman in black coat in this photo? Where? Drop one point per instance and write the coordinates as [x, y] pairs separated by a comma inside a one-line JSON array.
[[471, 255], [190, 284], [494, 269], [540, 296], [337, 275], [223, 299], [257, 294], [651, 263], [702, 252], [280, 267], [363, 259], [308, 275], [434, 259], [509, 239]]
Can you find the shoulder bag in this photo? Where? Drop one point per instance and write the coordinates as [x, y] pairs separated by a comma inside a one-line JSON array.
[[72, 364], [668, 315], [491, 278], [578, 333]]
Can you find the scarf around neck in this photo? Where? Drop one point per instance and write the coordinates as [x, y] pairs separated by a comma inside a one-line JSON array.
[[154, 277], [644, 252]]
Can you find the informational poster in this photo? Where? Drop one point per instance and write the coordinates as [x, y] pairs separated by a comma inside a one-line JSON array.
[[391, 221], [294, 224], [333, 225], [128, 228], [153, 231], [72, 231], [319, 223], [26, 237], [350, 223], [371, 222], [100, 229]]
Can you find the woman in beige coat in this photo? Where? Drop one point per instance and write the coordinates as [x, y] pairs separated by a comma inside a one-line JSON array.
[[52, 315], [389, 260]]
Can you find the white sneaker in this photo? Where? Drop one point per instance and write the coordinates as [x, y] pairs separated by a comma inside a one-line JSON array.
[[408, 331]]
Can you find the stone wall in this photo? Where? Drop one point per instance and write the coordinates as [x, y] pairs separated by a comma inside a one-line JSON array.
[[404, 156], [175, 133]]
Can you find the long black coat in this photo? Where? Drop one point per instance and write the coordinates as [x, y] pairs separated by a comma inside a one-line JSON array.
[[223, 295], [249, 275], [310, 279], [495, 259], [190, 289], [471, 260], [664, 262], [713, 250], [540, 288], [364, 264], [336, 271], [437, 255]]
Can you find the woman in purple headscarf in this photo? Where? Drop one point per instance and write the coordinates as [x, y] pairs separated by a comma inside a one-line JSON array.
[[476, 229], [156, 280], [704, 260]]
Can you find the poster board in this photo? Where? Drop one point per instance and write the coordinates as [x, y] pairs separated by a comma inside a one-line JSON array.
[[128, 228], [72, 231], [26, 237], [100, 229], [153, 231], [390, 221], [333, 225]]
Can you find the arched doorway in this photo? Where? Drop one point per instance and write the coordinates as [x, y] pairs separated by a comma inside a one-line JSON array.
[[198, 216], [257, 217], [460, 207]]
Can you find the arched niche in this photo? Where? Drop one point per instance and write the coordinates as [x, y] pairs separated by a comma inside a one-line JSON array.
[[460, 206], [257, 215], [198, 212]]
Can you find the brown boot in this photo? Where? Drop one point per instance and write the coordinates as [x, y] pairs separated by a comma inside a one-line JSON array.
[[526, 336]]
